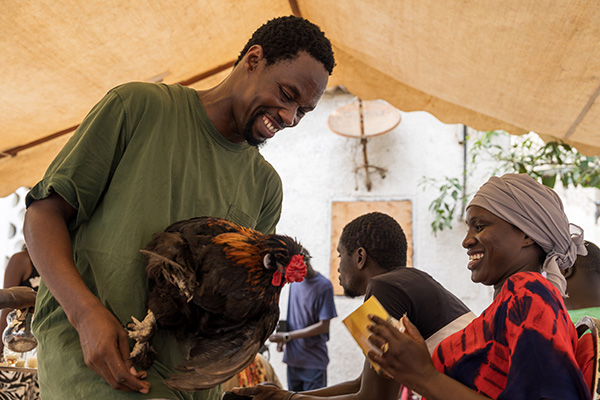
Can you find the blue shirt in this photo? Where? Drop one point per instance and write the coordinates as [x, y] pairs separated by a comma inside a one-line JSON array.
[[310, 301]]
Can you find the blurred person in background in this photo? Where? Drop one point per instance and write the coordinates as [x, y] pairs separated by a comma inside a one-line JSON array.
[[583, 284], [310, 309], [19, 271], [260, 371]]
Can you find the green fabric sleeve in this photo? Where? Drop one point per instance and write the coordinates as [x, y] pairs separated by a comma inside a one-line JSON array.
[[86, 163]]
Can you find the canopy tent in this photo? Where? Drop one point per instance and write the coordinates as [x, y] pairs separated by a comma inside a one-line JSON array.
[[517, 65]]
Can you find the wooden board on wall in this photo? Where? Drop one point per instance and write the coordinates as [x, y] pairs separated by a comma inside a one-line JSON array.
[[343, 212]]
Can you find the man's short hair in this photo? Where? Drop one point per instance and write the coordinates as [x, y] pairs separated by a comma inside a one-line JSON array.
[[591, 262], [380, 235], [284, 37]]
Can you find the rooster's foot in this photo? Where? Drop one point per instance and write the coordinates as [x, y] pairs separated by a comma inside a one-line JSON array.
[[142, 332]]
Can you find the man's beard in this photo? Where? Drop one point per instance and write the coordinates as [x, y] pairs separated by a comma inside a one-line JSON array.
[[248, 134], [352, 293]]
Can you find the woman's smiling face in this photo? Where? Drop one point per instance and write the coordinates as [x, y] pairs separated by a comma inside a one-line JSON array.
[[496, 249]]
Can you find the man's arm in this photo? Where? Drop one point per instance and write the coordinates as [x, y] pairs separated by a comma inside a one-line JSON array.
[[344, 388], [376, 386], [17, 297], [11, 298], [368, 386], [311, 330], [103, 339]]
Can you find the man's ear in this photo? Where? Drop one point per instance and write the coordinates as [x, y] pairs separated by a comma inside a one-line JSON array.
[[253, 56], [361, 257], [568, 272]]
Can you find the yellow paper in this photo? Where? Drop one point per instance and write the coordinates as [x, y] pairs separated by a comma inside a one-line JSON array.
[[358, 321]]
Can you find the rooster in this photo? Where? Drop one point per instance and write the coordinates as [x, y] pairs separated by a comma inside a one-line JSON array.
[[215, 285]]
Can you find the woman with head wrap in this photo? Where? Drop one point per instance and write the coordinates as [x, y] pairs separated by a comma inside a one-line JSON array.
[[523, 345]]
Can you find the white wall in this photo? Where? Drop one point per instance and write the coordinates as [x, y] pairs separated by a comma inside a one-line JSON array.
[[317, 167]]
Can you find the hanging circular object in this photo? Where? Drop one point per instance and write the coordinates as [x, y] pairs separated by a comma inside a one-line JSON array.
[[379, 117]]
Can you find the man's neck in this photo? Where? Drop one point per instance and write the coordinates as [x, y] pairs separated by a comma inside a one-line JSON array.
[[375, 270], [310, 273], [217, 103], [585, 298]]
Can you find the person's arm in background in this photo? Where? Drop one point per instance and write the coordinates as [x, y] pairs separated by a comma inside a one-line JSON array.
[[15, 272], [308, 331], [103, 339], [342, 388], [17, 297], [327, 312]]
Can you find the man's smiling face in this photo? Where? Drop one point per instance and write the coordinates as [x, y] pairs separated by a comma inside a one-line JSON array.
[[278, 96]]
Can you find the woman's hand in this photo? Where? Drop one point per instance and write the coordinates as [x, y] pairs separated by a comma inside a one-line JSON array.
[[404, 355]]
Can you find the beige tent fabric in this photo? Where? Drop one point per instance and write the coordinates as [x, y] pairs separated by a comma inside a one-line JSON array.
[[532, 64], [360, 79], [517, 65]]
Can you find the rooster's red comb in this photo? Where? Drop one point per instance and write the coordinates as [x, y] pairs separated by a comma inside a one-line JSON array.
[[295, 271]]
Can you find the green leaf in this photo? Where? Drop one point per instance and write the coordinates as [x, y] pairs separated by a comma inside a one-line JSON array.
[[549, 180]]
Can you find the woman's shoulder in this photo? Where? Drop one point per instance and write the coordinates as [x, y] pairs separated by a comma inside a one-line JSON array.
[[523, 283], [20, 261], [529, 298], [21, 256]]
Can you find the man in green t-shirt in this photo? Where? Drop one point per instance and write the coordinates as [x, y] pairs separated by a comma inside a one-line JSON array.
[[148, 155]]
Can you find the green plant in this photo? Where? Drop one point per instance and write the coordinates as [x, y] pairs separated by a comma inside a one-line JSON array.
[[546, 163], [445, 205]]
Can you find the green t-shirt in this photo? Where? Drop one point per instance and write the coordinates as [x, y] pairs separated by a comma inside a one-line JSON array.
[[145, 156]]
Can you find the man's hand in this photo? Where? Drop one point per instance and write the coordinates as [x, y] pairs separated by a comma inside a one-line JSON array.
[[279, 339], [17, 297], [106, 350]]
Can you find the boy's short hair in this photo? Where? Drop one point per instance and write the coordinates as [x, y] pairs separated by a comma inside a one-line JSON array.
[[380, 235]]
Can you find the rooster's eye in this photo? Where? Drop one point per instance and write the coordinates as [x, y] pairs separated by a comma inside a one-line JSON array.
[[269, 262]]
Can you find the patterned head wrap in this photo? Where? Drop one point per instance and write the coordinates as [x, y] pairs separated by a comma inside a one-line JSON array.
[[537, 211]]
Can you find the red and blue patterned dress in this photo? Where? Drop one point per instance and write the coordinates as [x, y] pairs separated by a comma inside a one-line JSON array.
[[521, 347]]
